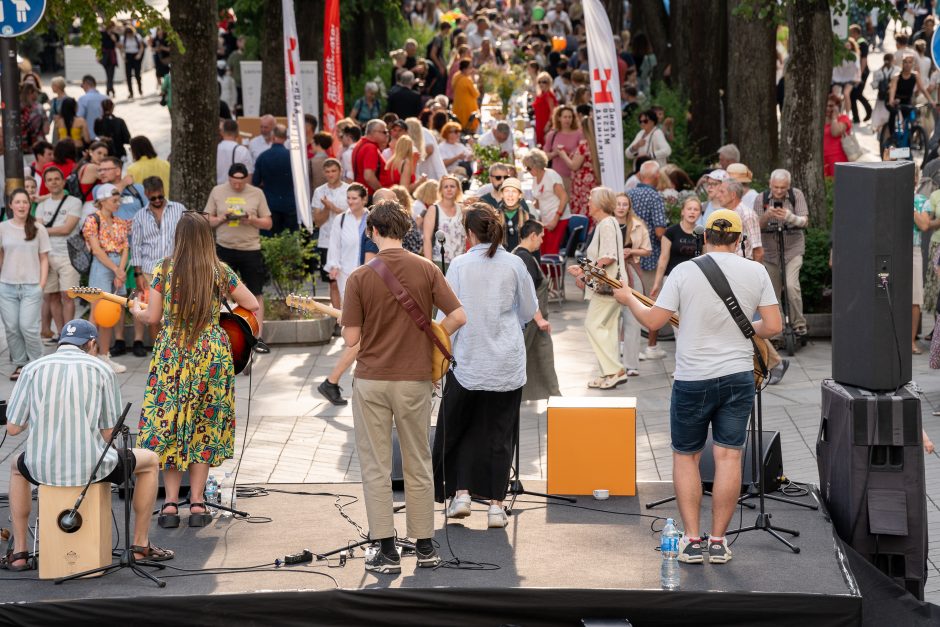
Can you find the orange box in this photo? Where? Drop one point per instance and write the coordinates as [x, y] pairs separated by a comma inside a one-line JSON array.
[[592, 445]]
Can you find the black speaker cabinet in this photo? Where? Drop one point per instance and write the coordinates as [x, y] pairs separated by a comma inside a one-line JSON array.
[[871, 235], [771, 457], [398, 473], [871, 476]]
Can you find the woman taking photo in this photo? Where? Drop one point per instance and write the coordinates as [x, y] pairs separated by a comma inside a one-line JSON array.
[[446, 216], [106, 236], [551, 200], [602, 321], [565, 137], [636, 244], [24, 266], [188, 412], [479, 412], [69, 125]]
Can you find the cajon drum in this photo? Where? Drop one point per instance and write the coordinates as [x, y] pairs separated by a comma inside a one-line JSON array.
[[592, 445], [62, 554]]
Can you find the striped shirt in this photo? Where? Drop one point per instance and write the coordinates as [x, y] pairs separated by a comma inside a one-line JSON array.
[[150, 241], [66, 398]]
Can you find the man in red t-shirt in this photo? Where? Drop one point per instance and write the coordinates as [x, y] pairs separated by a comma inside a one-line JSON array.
[[367, 161]]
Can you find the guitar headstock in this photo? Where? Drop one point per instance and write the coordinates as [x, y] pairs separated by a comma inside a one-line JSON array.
[[301, 304], [594, 273], [86, 293]]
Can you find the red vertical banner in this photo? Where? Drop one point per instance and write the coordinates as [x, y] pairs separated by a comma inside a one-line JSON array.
[[333, 108]]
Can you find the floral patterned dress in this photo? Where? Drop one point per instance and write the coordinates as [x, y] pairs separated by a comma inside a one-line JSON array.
[[188, 412], [582, 182]]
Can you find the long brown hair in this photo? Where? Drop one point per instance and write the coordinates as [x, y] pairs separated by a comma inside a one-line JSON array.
[[30, 226], [481, 220], [200, 279]]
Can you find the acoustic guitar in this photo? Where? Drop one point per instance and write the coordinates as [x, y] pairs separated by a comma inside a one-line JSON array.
[[439, 363], [594, 275], [240, 325]]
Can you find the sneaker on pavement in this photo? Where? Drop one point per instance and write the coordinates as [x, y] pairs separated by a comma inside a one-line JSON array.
[[690, 550], [384, 564], [718, 551], [116, 367], [652, 352], [261, 348], [332, 392], [496, 517], [428, 560], [119, 348], [777, 372], [459, 506]]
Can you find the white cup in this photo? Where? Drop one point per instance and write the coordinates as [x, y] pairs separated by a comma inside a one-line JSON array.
[[601, 495]]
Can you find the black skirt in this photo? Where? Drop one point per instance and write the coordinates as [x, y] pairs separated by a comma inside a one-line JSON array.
[[474, 440]]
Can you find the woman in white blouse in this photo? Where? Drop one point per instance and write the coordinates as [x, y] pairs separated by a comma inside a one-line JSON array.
[[551, 200], [344, 252], [650, 141]]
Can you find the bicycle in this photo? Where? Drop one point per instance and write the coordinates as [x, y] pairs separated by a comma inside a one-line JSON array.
[[905, 132]]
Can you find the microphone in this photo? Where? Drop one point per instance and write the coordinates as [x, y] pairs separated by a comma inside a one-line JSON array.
[[69, 520], [440, 237], [699, 230]]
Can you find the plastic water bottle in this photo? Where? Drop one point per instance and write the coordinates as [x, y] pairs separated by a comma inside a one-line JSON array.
[[227, 494], [669, 547], [212, 493]]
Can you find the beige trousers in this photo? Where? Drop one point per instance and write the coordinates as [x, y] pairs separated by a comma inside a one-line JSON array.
[[602, 324], [794, 294], [375, 405]]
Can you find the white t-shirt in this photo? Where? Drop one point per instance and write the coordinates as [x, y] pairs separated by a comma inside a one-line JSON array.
[[708, 343], [432, 165], [21, 258], [70, 207], [346, 159], [337, 196], [544, 192], [749, 197], [258, 144], [449, 151], [227, 153], [489, 139]]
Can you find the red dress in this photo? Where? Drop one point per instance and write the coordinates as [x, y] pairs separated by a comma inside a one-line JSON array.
[[833, 152], [582, 182], [544, 104]]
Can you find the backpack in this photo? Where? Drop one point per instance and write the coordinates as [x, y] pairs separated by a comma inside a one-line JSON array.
[[73, 184], [883, 86]]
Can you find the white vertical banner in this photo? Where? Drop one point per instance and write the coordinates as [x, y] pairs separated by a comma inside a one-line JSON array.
[[310, 84], [605, 93], [251, 88], [295, 118]]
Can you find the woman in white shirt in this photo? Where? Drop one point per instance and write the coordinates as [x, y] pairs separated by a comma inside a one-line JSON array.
[[847, 75], [455, 154], [551, 200], [24, 266], [650, 141], [346, 237], [430, 163], [445, 216], [134, 47]]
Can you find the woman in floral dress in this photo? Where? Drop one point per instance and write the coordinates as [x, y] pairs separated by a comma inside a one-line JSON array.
[[188, 411], [581, 163]]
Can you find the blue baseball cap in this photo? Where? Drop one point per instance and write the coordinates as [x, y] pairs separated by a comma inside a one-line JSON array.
[[77, 332]]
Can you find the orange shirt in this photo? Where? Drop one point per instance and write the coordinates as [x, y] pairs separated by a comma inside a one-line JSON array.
[[465, 99]]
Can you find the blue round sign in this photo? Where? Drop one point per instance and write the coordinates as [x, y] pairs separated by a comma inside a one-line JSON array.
[[935, 49], [20, 16]]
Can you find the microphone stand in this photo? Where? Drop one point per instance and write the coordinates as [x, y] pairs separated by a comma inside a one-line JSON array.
[[441, 238], [127, 559]]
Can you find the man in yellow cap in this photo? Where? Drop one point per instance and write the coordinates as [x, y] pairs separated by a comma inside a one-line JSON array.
[[714, 378]]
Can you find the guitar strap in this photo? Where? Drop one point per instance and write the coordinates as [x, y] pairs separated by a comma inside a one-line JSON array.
[[719, 283], [408, 303]]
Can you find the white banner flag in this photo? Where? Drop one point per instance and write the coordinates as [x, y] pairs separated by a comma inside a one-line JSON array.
[[605, 92], [295, 118]]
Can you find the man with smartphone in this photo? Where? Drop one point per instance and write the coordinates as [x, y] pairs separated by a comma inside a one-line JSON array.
[[784, 206]]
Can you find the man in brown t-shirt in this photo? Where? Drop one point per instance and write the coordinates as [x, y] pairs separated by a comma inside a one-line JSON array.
[[393, 379]]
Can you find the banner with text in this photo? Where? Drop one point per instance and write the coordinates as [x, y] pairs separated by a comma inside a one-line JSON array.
[[605, 93], [295, 118], [333, 106]]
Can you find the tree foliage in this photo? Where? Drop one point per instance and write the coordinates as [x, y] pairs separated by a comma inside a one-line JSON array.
[[91, 14]]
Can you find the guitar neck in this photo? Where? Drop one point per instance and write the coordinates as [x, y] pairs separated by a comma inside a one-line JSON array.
[[120, 300]]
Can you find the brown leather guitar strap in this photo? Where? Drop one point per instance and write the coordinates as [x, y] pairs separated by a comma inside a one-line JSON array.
[[408, 303]]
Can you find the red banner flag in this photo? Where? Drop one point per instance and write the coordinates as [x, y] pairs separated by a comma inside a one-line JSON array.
[[333, 109]]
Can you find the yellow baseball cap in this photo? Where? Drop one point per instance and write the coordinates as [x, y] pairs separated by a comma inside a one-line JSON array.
[[727, 215]]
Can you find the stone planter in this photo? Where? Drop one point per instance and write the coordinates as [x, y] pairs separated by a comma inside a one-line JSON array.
[[819, 325], [311, 331]]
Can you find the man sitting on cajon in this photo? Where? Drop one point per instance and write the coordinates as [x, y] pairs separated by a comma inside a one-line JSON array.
[[72, 400]]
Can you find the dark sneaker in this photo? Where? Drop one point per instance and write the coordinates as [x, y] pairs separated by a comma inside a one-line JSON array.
[[384, 564], [119, 348], [718, 551], [777, 372], [139, 350], [428, 560], [332, 392], [261, 348], [690, 550]]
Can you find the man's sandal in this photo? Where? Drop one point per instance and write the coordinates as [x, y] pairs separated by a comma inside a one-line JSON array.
[[153, 553], [199, 520], [169, 521], [15, 557]]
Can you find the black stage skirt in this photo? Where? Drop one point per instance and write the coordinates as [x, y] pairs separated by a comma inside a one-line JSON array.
[[475, 436]]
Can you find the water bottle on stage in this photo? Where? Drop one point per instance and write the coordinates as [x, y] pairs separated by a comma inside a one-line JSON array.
[[669, 547], [212, 493]]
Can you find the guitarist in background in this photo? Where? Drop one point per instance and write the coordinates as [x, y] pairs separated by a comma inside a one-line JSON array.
[[714, 377], [394, 381], [188, 412]]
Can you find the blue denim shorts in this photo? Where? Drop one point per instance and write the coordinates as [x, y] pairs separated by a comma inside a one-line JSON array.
[[101, 277], [724, 402]]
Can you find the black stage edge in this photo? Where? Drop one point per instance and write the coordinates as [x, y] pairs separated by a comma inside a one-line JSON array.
[[558, 564]]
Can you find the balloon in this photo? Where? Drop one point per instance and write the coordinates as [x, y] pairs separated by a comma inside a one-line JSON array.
[[559, 44], [106, 314]]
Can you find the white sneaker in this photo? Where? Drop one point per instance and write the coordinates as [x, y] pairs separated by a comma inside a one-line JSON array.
[[496, 517], [652, 352], [116, 367], [459, 506]]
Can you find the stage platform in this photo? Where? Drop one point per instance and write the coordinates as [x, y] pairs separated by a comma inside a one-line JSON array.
[[557, 565]]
